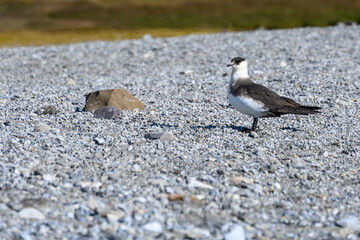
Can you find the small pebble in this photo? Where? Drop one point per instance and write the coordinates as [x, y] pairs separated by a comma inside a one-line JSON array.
[[350, 222], [51, 109], [153, 227], [237, 233], [43, 128], [31, 213], [107, 112]]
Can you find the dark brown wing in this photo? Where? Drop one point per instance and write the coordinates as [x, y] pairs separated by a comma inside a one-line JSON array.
[[274, 104], [260, 93]]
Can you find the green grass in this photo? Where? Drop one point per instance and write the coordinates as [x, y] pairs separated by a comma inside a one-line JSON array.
[[64, 21]]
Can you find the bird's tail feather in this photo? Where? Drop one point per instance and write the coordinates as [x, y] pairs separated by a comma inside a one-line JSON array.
[[311, 107], [300, 110]]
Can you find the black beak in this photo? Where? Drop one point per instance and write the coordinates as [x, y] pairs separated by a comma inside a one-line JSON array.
[[229, 65]]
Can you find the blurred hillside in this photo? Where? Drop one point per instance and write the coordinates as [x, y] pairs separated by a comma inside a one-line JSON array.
[[38, 21]]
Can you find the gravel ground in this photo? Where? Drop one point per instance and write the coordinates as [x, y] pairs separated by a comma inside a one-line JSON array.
[[72, 176]]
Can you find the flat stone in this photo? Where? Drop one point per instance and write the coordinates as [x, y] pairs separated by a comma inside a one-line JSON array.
[[197, 233], [136, 168], [31, 213], [42, 128], [258, 72], [163, 136], [350, 222], [257, 189], [25, 172], [51, 109], [70, 81], [48, 177], [277, 186], [25, 236], [240, 181], [92, 204], [236, 233], [154, 135], [118, 98], [283, 64], [115, 216], [175, 197], [99, 140], [107, 112], [299, 163], [153, 226], [167, 136], [197, 184], [186, 72]]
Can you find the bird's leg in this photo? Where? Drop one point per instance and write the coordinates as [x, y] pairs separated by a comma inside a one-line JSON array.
[[254, 124], [253, 128]]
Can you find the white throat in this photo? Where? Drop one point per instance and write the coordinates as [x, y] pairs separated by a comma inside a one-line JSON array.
[[239, 72]]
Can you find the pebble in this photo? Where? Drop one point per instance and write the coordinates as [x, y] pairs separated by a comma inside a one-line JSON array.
[[277, 186], [48, 177], [163, 136], [26, 236], [237, 233], [50, 109], [193, 183], [299, 163], [136, 168], [176, 197], [107, 112], [168, 137], [43, 128], [283, 64], [258, 72], [119, 98], [240, 180], [154, 135], [25, 172], [350, 222], [31, 213], [326, 154], [186, 72], [99, 140], [197, 233], [153, 226], [115, 216], [70, 81]]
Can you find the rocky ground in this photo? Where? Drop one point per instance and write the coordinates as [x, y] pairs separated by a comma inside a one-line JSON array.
[[72, 176]]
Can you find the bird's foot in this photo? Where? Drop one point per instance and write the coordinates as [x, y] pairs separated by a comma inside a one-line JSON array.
[[246, 130]]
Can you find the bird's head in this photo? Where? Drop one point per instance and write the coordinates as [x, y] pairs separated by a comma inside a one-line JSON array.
[[239, 66]]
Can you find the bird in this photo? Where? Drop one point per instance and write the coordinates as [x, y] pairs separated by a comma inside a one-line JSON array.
[[258, 101]]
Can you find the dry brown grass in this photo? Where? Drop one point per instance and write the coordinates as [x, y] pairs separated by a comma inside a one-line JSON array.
[[37, 38]]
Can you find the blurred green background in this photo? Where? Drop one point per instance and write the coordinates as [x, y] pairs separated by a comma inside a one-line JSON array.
[[38, 22]]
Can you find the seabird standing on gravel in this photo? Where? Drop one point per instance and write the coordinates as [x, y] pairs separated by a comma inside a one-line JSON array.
[[256, 100]]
